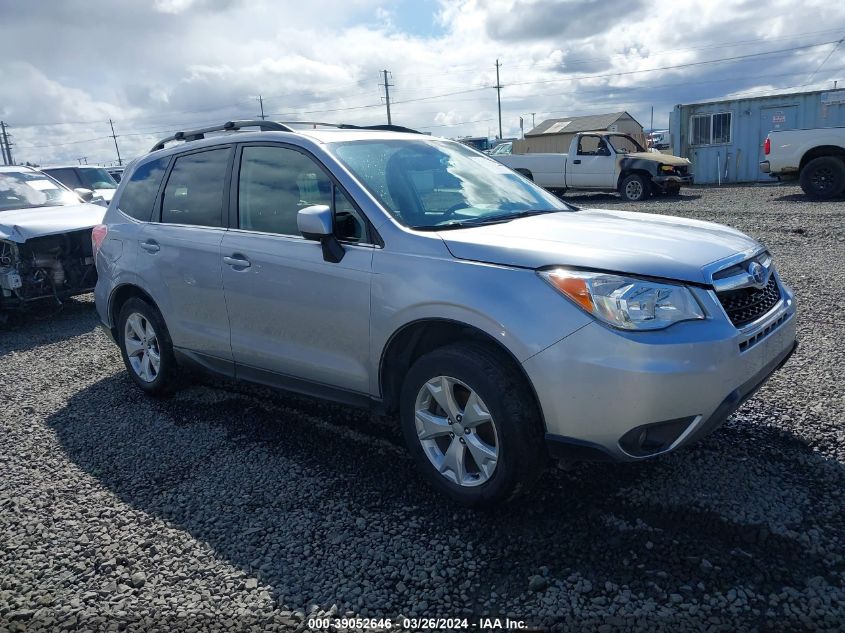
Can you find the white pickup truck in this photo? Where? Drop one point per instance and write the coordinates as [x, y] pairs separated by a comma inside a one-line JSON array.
[[604, 162], [816, 157]]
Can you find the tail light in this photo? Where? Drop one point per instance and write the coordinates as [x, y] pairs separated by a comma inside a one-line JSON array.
[[98, 235], [767, 146]]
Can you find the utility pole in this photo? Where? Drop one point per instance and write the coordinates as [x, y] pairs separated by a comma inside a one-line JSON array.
[[82, 158], [498, 87], [116, 148], [261, 104], [7, 149], [387, 96]]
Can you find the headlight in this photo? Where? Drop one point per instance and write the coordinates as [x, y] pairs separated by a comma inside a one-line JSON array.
[[625, 302]]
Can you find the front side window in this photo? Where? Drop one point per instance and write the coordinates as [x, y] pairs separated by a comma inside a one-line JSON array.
[[96, 178], [429, 183], [623, 144], [276, 182], [194, 191], [23, 189], [66, 176], [139, 194]]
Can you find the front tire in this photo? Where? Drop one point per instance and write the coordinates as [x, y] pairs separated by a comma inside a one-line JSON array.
[[635, 188], [146, 347], [823, 178], [471, 424]]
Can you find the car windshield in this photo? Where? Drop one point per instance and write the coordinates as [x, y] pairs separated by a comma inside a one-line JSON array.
[[21, 190], [623, 144], [504, 148], [96, 178], [435, 184]]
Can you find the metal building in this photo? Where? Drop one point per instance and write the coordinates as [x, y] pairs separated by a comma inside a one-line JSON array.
[[724, 139]]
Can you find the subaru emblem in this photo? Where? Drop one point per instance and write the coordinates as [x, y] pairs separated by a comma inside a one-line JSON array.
[[759, 273]]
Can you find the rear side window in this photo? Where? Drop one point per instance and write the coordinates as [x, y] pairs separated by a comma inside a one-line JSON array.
[[139, 194], [194, 190]]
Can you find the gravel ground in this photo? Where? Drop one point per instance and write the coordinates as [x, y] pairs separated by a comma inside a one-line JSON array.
[[230, 507]]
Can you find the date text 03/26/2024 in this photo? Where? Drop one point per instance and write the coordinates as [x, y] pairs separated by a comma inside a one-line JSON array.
[[418, 624]]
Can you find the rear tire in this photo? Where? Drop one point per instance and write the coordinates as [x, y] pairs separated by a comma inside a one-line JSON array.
[[146, 347], [635, 188], [489, 436], [823, 178]]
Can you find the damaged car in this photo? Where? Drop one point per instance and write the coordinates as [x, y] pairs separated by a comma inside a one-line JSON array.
[[45, 240]]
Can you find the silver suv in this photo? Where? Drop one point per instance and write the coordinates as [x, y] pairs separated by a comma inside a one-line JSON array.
[[417, 276]]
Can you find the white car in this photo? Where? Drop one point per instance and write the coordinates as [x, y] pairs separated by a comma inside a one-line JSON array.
[[45, 239], [97, 179]]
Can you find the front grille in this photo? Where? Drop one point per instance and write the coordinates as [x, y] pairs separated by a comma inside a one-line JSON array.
[[748, 304]]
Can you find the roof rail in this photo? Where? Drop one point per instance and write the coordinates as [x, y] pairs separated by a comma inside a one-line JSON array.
[[349, 126], [228, 126]]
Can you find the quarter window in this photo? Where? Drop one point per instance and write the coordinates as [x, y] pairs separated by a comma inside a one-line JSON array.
[[194, 190], [139, 194], [276, 182], [710, 129]]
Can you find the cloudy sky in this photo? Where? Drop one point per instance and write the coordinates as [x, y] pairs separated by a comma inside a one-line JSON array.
[[68, 66]]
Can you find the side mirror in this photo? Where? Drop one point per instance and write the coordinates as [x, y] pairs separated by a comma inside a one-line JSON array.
[[316, 223], [86, 194]]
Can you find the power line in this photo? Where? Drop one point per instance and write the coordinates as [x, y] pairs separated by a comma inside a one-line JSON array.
[[832, 50]]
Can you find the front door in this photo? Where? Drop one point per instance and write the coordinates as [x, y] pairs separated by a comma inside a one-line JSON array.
[[772, 119], [179, 254], [293, 315], [593, 165]]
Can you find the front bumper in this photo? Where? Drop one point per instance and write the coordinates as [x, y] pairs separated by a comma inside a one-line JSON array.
[[602, 390], [664, 181]]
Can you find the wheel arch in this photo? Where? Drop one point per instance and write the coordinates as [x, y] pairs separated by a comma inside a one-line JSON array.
[[630, 171], [421, 336], [525, 172], [820, 151], [119, 296]]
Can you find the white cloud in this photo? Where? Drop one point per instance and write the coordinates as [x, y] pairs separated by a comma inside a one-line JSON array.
[[180, 63]]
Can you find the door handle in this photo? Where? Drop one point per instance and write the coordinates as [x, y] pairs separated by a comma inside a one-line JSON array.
[[577, 161], [237, 262], [151, 246]]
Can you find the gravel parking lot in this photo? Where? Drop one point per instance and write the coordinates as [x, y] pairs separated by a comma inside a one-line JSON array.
[[231, 507]]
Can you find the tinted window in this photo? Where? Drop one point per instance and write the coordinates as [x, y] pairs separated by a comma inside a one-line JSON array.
[[65, 176], [276, 182], [194, 191], [139, 195], [96, 178]]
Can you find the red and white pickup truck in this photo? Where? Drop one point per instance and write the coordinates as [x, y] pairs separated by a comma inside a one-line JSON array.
[[816, 157]]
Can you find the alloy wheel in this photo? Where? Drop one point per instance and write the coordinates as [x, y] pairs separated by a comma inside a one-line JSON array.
[[634, 190], [142, 347], [456, 431]]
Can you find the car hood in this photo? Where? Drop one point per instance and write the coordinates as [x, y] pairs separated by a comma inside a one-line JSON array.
[[635, 243], [19, 225], [665, 159]]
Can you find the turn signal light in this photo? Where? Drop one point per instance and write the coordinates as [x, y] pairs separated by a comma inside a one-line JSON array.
[[574, 288]]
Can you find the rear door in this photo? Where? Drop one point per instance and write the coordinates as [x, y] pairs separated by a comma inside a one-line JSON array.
[[179, 254], [774, 119], [295, 318]]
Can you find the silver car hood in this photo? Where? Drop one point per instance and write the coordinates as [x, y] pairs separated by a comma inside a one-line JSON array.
[[20, 225], [636, 243]]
